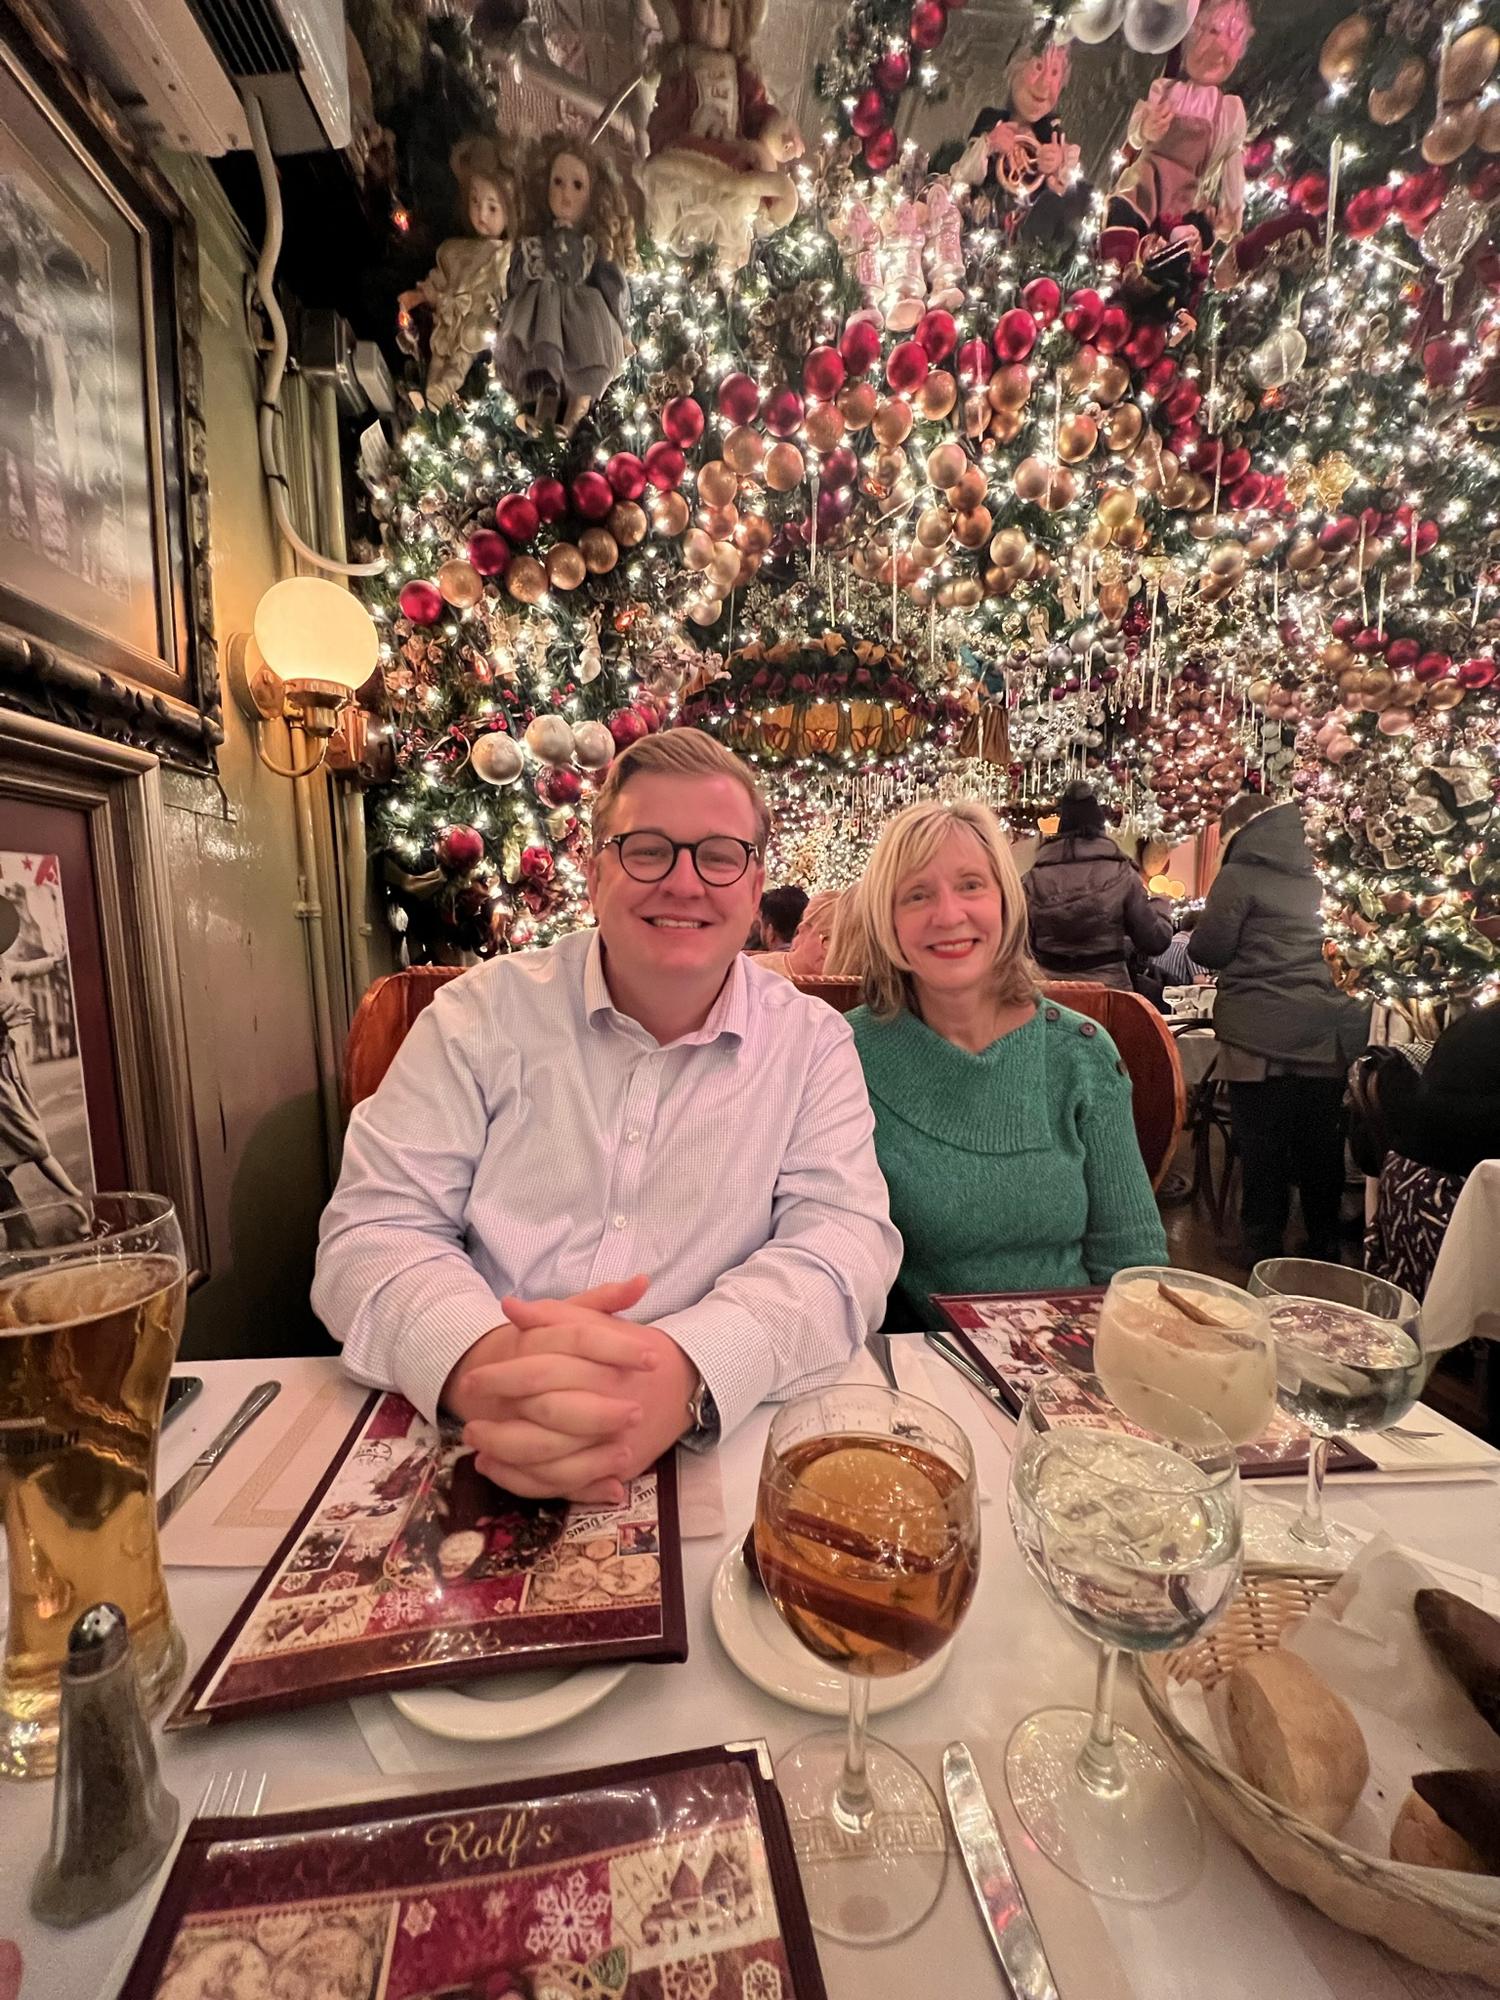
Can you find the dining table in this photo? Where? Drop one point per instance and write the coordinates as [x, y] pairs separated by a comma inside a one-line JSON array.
[[1235, 1932]]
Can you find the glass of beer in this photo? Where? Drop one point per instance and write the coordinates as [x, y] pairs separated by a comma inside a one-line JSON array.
[[867, 1541], [92, 1294]]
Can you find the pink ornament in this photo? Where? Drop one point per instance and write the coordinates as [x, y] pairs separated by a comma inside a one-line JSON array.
[[489, 552], [627, 726], [929, 24], [459, 849], [682, 422], [975, 364], [880, 150], [937, 334], [871, 113], [1084, 311], [518, 518], [1477, 673], [784, 410], [592, 495], [421, 602], [823, 373], [906, 367], [1395, 721], [626, 475], [738, 399], [1433, 667], [665, 466], [1042, 298], [550, 498], [1015, 334], [893, 72], [860, 346]]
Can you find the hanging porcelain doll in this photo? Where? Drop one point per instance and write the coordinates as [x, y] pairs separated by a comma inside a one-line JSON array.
[[563, 325], [1019, 160], [1185, 187], [466, 284]]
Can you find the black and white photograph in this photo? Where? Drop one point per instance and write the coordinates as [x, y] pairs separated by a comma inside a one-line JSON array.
[[44, 1127]]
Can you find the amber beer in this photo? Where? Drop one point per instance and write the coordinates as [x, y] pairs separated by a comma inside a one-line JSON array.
[[86, 1349], [869, 1547]]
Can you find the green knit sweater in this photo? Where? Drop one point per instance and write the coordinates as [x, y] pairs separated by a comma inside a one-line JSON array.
[[1012, 1171]]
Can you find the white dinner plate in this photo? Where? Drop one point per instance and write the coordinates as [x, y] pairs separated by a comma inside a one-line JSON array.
[[506, 1706], [752, 1633]]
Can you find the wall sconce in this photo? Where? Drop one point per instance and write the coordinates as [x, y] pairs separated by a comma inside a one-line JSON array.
[[313, 644]]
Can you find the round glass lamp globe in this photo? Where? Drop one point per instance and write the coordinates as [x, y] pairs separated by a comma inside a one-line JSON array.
[[308, 629]]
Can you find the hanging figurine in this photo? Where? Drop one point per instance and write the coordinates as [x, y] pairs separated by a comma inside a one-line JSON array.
[[563, 326], [720, 149], [1019, 161], [466, 284], [1184, 189]]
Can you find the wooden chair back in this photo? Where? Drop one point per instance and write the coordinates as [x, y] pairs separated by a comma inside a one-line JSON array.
[[381, 1022], [843, 994], [1158, 1098]]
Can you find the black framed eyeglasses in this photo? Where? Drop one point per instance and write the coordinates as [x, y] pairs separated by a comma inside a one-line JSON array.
[[719, 859]]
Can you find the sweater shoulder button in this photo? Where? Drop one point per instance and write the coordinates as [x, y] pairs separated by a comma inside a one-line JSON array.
[[1088, 1029], [1051, 1014], [1121, 1067]]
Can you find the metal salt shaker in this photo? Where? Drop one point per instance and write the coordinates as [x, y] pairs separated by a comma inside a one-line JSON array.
[[112, 1818]]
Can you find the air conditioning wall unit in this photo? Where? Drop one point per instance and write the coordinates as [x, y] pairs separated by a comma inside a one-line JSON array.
[[178, 68]]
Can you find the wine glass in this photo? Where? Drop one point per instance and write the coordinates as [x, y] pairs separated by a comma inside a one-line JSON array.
[[867, 1541], [1136, 1537], [1348, 1358], [92, 1297], [1192, 1337]]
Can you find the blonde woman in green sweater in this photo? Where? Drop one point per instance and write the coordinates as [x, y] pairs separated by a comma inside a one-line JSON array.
[[1002, 1121]]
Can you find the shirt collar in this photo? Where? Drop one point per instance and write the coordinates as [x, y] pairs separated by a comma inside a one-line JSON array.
[[729, 1015]]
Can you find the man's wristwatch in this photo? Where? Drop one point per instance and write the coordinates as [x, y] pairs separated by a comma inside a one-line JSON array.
[[703, 1419]]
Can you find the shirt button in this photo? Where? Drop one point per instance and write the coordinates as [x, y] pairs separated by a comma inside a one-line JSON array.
[[631, 1137], [619, 1222]]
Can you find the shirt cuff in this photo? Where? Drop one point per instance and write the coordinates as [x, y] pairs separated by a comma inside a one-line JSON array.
[[428, 1356], [729, 1349]]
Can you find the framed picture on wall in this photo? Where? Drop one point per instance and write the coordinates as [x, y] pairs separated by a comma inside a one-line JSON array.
[[94, 1092], [105, 603]]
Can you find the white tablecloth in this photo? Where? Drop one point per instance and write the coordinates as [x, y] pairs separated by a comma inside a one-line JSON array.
[[1463, 1298], [1235, 1933]]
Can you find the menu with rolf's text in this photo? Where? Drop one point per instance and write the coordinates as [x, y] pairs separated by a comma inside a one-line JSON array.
[[1021, 1339], [408, 1567], [670, 1879]]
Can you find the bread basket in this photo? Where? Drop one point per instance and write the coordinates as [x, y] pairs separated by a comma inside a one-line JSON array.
[[1426, 1916]]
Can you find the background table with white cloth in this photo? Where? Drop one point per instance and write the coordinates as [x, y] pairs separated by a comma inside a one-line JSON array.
[[1234, 1933]]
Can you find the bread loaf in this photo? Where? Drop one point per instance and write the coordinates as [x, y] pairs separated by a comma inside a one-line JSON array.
[[1467, 1641], [1469, 1802], [1419, 1836], [1295, 1739]]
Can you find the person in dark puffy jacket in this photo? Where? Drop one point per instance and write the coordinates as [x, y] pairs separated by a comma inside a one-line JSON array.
[[1288, 1034], [1088, 904]]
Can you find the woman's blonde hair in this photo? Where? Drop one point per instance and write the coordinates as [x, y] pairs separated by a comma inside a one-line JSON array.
[[845, 956], [907, 846]]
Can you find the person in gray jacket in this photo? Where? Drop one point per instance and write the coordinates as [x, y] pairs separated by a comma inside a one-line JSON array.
[[1087, 903], [1288, 1034]]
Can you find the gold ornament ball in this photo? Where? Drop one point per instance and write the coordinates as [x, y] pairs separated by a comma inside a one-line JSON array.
[[1304, 556], [1062, 489], [670, 514], [1097, 536], [697, 549], [627, 523], [1227, 559], [1010, 387], [1345, 584], [934, 525], [1123, 427], [1488, 136], [1375, 687], [460, 583], [1407, 693], [1263, 543], [1005, 425], [719, 522], [744, 449], [892, 422], [924, 557], [937, 395], [599, 549], [1469, 64], [999, 582], [1401, 96], [1344, 49], [724, 569], [968, 490], [1116, 506], [1009, 547], [1337, 657], [971, 529], [1132, 535], [1443, 695], [857, 402], [1451, 134], [967, 591], [1032, 476], [945, 465], [1111, 380], [755, 534], [566, 567], [1076, 437], [526, 580], [1077, 374], [784, 467], [705, 610], [824, 426], [718, 483]]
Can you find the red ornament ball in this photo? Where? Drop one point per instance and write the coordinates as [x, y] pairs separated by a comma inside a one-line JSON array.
[[1366, 211], [626, 475], [871, 113], [893, 72], [489, 552], [665, 466], [784, 411], [1147, 344], [1015, 334], [1160, 376], [929, 24], [460, 849], [860, 346], [824, 373], [518, 517], [1440, 362], [421, 602], [1345, 625], [1183, 404], [1367, 641], [1433, 667], [1114, 330], [1084, 311], [975, 364], [627, 726], [1419, 197], [937, 334], [592, 495], [560, 788], [1042, 298], [1477, 673], [1310, 193], [550, 498], [682, 421], [537, 864], [840, 468], [906, 367], [1427, 537], [880, 150], [738, 399], [1402, 655]]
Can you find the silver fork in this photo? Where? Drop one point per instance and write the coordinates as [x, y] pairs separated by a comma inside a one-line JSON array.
[[1411, 1442], [224, 1795]]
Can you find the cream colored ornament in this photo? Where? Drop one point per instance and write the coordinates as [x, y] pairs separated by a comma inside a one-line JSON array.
[[1279, 357], [496, 759], [593, 746], [549, 738]]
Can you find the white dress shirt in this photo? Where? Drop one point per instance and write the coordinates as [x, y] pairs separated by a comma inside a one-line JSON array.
[[529, 1139]]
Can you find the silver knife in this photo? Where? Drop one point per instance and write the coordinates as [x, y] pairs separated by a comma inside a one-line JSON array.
[[956, 1359], [1001, 1903], [184, 1489]]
